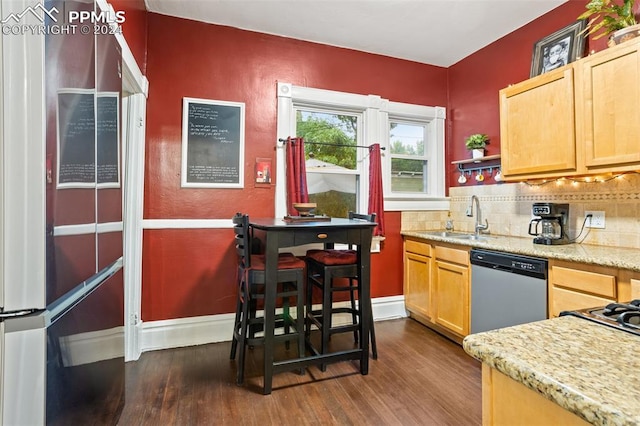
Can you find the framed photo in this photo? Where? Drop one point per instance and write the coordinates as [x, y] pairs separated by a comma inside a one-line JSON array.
[[558, 49], [263, 172], [212, 144]]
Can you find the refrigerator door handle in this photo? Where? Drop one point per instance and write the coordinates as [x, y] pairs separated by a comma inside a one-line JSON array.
[[14, 314]]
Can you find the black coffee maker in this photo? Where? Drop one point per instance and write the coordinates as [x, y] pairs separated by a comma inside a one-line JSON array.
[[551, 226]]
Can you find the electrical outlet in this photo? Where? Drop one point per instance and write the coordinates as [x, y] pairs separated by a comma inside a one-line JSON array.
[[596, 220]]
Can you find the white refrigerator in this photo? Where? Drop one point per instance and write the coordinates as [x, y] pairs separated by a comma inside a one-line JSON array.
[[61, 271]]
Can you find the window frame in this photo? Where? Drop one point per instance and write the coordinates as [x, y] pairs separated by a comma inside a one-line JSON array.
[[433, 118], [377, 113]]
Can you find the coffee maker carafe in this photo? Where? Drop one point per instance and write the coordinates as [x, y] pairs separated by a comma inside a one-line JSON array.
[[551, 226]]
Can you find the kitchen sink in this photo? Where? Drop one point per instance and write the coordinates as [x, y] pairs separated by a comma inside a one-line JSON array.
[[458, 235]]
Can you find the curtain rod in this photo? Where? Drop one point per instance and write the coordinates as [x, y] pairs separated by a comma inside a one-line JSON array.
[[334, 144]]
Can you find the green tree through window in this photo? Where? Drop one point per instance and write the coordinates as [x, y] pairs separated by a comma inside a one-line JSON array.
[[332, 159]]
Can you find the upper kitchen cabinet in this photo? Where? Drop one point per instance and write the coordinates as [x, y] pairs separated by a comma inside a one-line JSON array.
[[577, 120], [609, 106], [537, 126]]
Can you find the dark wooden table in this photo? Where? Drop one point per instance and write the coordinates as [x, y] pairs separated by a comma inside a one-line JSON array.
[[279, 234]]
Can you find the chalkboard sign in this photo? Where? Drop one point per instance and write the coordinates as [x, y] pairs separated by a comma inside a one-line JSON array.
[[108, 139], [76, 139], [212, 144]]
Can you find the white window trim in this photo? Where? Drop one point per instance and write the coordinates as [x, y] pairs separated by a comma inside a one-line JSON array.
[[376, 112]]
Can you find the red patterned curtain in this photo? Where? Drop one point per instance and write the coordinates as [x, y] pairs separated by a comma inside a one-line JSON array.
[[296, 175], [376, 197]]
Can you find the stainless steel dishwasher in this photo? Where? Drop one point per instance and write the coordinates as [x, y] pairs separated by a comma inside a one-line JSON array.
[[506, 289]]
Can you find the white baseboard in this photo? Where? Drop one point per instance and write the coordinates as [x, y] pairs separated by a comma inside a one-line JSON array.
[[92, 346], [201, 330]]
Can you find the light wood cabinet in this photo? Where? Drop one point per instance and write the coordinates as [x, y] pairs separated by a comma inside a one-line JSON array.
[[417, 278], [507, 402], [451, 291], [575, 120], [609, 114], [537, 126], [579, 286], [436, 286]]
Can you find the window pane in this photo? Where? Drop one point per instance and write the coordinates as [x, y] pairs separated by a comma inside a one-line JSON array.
[[329, 129], [335, 137], [335, 194], [406, 139], [408, 175]]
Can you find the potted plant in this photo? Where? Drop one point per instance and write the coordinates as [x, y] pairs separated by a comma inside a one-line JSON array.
[[611, 18], [476, 144]]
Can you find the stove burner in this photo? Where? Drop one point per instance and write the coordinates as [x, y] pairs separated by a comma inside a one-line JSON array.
[[623, 316]]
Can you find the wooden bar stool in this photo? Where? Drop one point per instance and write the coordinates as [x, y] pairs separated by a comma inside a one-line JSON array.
[[251, 288], [323, 268]]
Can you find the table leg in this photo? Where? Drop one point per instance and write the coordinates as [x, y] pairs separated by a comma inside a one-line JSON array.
[[364, 264], [271, 283]]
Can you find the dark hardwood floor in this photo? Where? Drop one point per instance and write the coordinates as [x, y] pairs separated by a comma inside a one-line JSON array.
[[419, 378]]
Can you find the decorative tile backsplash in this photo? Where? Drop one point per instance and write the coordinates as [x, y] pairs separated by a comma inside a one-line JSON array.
[[507, 207]]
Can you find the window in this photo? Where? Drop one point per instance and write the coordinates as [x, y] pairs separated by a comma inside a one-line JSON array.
[[332, 160], [409, 162], [412, 137]]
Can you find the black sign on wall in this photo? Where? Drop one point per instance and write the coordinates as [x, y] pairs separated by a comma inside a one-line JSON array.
[[107, 139], [76, 138], [212, 144], [79, 136]]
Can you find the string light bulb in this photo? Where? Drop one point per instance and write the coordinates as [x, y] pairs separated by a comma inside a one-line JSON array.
[[577, 181]]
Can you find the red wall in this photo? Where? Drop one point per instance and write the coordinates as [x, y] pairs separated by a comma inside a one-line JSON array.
[[475, 81], [191, 272]]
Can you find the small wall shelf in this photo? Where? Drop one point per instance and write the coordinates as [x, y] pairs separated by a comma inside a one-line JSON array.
[[482, 163]]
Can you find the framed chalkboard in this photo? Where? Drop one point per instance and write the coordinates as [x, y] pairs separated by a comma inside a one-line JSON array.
[[76, 138], [88, 125], [108, 139], [212, 144]]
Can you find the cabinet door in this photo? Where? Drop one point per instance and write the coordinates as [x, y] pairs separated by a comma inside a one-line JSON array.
[[452, 296], [563, 299], [417, 284], [610, 94], [537, 126], [579, 286]]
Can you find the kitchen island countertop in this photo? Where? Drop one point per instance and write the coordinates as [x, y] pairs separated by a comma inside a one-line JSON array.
[[618, 257], [588, 369]]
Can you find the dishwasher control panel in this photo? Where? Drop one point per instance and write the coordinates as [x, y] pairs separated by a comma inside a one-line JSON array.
[[527, 266], [510, 262]]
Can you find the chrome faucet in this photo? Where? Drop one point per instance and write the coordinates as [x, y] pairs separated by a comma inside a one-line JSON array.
[[479, 226]]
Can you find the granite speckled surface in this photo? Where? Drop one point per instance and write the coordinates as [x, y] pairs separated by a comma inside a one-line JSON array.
[[586, 368], [623, 258]]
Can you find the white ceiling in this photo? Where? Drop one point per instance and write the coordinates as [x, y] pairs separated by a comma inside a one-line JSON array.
[[436, 32]]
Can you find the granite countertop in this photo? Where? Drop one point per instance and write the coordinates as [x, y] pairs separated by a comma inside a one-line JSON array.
[[617, 257], [586, 368]]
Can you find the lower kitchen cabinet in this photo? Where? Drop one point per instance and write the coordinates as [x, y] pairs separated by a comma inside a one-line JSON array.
[[436, 286], [451, 290], [579, 286], [417, 278], [507, 402]]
